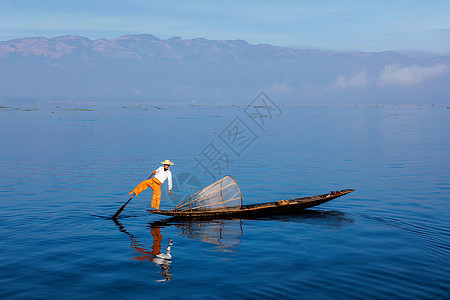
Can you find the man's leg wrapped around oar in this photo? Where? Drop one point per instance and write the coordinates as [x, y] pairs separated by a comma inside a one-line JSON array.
[[155, 185]]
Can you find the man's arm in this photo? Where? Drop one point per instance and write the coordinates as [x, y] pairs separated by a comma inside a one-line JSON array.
[[154, 172], [169, 181]]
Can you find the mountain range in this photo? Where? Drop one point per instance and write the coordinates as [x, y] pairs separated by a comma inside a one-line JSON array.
[[148, 69]]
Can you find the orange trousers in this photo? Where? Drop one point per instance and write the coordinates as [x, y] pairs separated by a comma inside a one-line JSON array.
[[155, 185]]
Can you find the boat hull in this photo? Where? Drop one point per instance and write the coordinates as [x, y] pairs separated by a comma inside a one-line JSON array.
[[282, 207]]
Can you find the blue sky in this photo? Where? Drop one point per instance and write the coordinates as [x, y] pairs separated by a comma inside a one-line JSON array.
[[402, 25]]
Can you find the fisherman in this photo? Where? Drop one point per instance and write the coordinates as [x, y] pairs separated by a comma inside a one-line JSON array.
[[161, 174]]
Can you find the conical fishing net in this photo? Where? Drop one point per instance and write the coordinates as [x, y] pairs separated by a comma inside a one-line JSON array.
[[222, 194]]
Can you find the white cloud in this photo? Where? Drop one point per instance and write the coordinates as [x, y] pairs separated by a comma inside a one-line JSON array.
[[279, 88], [410, 75], [356, 81]]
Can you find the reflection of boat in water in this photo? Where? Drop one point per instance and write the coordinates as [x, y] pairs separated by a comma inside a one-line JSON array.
[[225, 234], [223, 199]]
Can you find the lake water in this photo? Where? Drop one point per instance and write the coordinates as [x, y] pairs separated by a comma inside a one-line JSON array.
[[65, 169]]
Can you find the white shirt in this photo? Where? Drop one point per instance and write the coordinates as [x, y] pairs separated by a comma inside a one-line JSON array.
[[162, 175]]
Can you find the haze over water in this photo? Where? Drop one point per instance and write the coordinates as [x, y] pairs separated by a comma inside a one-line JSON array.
[[66, 168]]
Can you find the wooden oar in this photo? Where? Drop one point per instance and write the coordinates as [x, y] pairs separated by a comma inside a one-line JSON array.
[[123, 206]]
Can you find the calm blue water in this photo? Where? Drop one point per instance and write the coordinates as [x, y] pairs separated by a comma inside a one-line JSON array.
[[66, 168]]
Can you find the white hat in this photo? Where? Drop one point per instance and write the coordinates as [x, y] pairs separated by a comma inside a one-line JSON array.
[[167, 162]]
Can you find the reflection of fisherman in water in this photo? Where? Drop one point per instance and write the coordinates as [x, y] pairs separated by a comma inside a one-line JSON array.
[[163, 260]]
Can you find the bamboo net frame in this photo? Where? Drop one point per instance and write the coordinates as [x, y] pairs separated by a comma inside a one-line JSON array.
[[222, 194]]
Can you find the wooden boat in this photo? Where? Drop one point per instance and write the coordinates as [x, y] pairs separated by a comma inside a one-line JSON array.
[[282, 207]]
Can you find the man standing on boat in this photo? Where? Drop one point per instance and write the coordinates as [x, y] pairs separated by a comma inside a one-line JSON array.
[[161, 174]]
